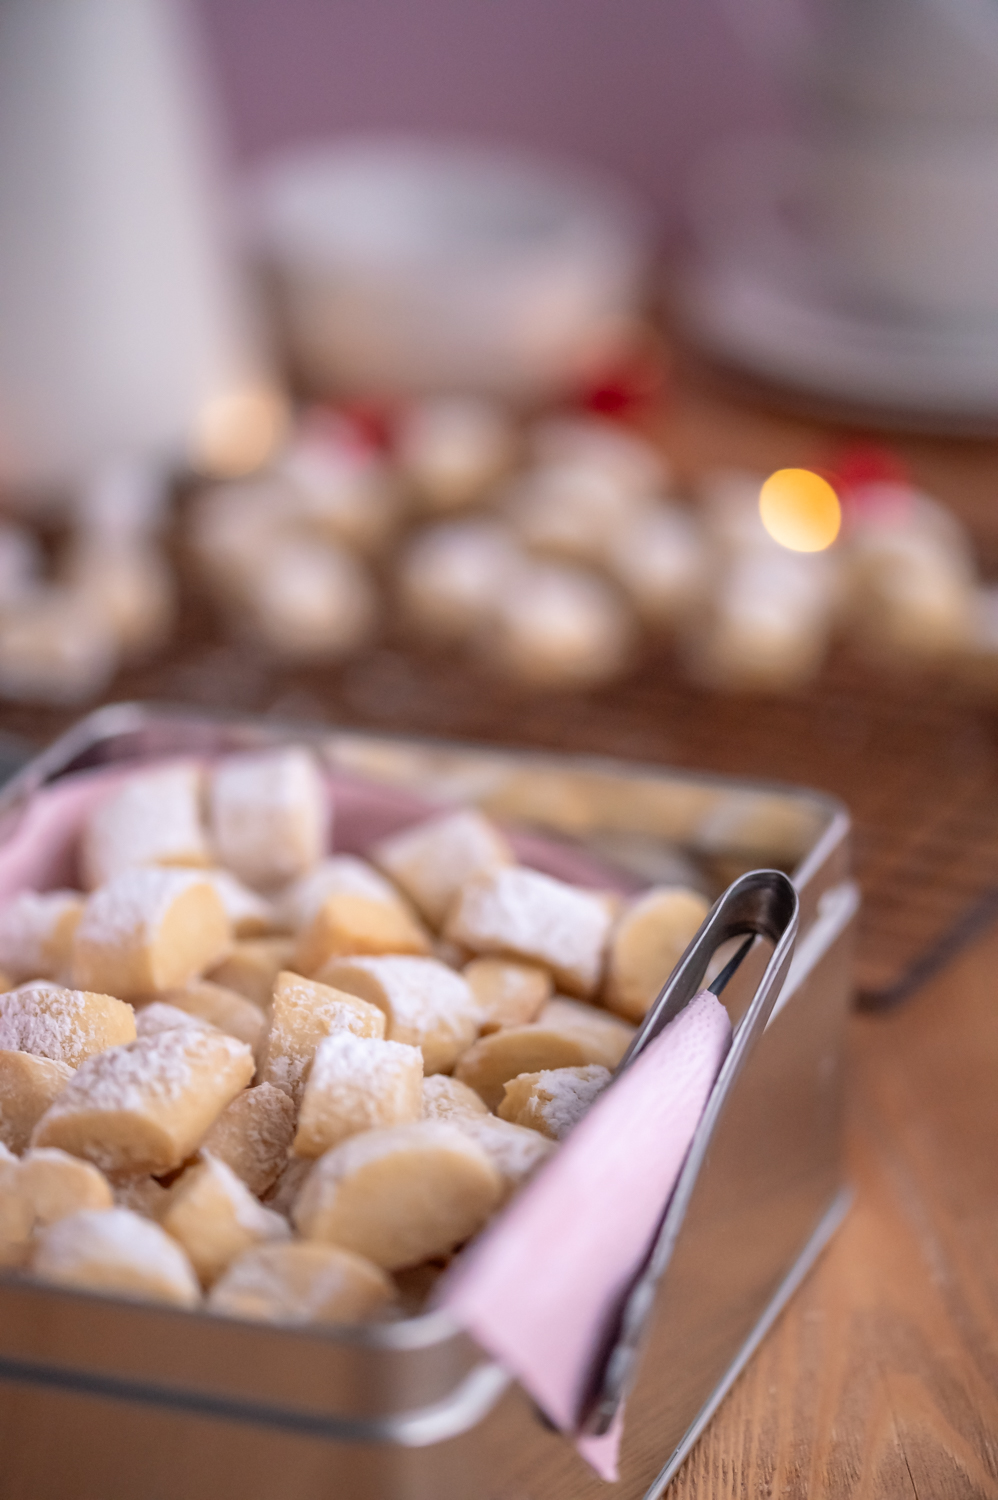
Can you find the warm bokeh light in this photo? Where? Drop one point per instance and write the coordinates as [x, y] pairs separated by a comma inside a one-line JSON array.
[[239, 431], [800, 510]]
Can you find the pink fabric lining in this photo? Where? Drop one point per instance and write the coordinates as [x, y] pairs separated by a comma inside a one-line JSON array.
[[41, 852]]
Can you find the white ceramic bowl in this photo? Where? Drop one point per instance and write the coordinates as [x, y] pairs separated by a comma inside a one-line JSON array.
[[410, 265]]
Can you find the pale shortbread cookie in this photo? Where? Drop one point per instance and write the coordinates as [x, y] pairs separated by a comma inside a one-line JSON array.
[[598, 445], [357, 1083], [299, 902], [568, 512], [36, 934], [552, 1101], [154, 819], [16, 1217], [147, 1106], [283, 1196], [115, 1250], [350, 924], [310, 600], [269, 815], [65, 1025], [253, 1136], [521, 913], [304, 1014], [302, 1283], [140, 1192], [647, 942], [432, 861], [56, 1184], [128, 584], [222, 1008], [507, 993], [55, 648], [399, 1195], [216, 1218], [610, 1034], [489, 1065], [444, 1097], [451, 448], [149, 930], [515, 1152], [560, 626], [661, 559], [252, 967], [249, 913], [154, 1019], [427, 1004], [452, 578], [450, 953], [28, 1084]]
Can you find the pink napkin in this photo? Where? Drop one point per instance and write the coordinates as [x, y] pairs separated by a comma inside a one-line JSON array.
[[542, 1288]]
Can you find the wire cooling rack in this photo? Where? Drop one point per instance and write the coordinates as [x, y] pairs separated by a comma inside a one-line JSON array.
[[916, 764]]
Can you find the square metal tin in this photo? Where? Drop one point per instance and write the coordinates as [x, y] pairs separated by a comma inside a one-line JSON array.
[[101, 1399]]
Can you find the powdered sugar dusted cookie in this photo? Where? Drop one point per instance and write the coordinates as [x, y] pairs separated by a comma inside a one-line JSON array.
[[252, 966], [154, 1019], [28, 1084], [299, 902], [67, 1026], [16, 1217], [146, 1107], [400, 1195], [216, 1006], [140, 1192], [523, 914], [215, 1217], [427, 1005], [610, 1035], [249, 914], [444, 1097], [357, 1083], [507, 993], [433, 860], [253, 1136], [148, 930], [453, 447], [302, 1283], [268, 815], [56, 1184], [154, 819], [648, 941], [115, 1250], [304, 1014], [347, 923], [552, 1101], [489, 1065], [515, 1153], [36, 934]]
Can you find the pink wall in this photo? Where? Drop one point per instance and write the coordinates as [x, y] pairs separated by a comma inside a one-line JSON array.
[[640, 87]]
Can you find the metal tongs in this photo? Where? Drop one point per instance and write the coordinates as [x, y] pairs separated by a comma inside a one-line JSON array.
[[761, 904]]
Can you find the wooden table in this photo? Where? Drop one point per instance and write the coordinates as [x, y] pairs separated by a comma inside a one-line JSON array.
[[881, 1379]]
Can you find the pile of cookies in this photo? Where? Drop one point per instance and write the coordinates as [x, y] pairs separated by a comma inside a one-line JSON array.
[[544, 548], [550, 550], [241, 1072]]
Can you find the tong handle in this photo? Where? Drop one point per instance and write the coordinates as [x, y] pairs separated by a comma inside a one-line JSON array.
[[762, 903]]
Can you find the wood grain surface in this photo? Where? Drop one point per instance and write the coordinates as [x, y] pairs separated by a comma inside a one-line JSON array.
[[881, 1378]]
